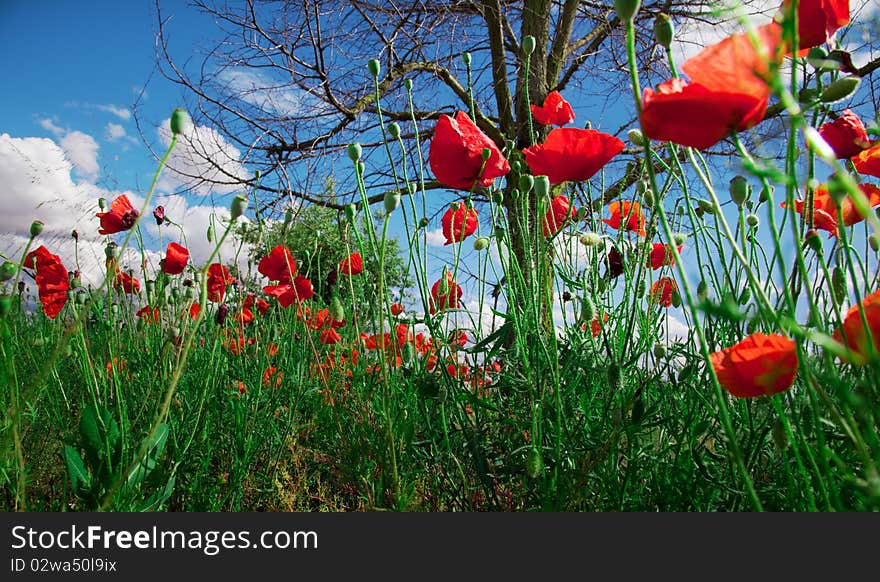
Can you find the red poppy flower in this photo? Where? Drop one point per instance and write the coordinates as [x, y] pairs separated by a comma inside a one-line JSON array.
[[218, 279], [662, 290], [868, 161], [856, 337], [596, 325], [818, 20], [726, 92], [278, 265], [825, 211], [661, 256], [846, 135], [456, 154], [459, 222], [445, 294], [757, 366], [300, 290], [396, 309], [272, 372], [120, 217], [629, 211], [572, 154], [127, 283], [245, 316], [194, 310], [175, 259], [51, 278], [557, 215], [329, 336], [353, 264], [148, 314], [554, 111]]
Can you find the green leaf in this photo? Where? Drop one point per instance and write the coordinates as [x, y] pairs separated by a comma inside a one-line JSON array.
[[155, 500], [76, 469], [154, 451]]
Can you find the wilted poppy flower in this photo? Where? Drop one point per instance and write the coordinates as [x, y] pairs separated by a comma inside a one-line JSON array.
[[299, 290], [456, 154], [120, 217], [218, 279], [868, 161], [459, 222], [159, 215], [127, 283], [51, 278], [818, 20], [614, 262], [176, 257], [846, 135], [278, 265], [353, 264], [631, 212], [445, 294], [661, 256], [662, 290], [557, 215], [856, 339], [329, 336], [554, 111], [572, 154], [760, 365], [825, 211], [727, 92]]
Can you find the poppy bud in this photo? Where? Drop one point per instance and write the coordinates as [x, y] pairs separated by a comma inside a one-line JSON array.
[[659, 351], [5, 305], [702, 290], [7, 271], [874, 241], [745, 295], [812, 239], [739, 190], [679, 238], [664, 31], [481, 243], [838, 285], [36, 228], [114, 309], [514, 194], [836, 189], [542, 186], [210, 233], [614, 376], [648, 198], [222, 312], [159, 215], [588, 309], [635, 137], [528, 45], [411, 187], [588, 125], [626, 9], [591, 239], [354, 151], [394, 130], [361, 167], [239, 205], [392, 201], [257, 174], [817, 57], [526, 183], [111, 251], [466, 57], [676, 298], [753, 221], [407, 83], [498, 197], [336, 310], [840, 89], [102, 203], [424, 222], [534, 462], [641, 288], [706, 206], [350, 211], [75, 280], [374, 67], [601, 285], [179, 121]]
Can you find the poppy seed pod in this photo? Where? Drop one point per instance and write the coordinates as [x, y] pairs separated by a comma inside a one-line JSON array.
[[394, 129], [374, 67], [354, 151], [679, 238], [626, 9], [588, 309], [392, 201], [838, 285], [111, 251], [498, 197], [36, 228], [408, 84], [481, 243], [739, 190], [591, 239], [840, 89], [542, 186], [7, 271], [336, 310], [664, 31], [102, 203], [180, 120], [659, 351], [874, 241], [526, 183], [753, 221], [528, 45], [238, 206], [466, 57], [210, 233]]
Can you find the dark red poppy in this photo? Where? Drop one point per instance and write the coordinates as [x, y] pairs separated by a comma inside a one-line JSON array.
[[614, 262], [760, 365], [662, 290], [51, 278], [278, 265], [459, 222], [456, 154], [176, 257], [121, 216], [554, 111], [868, 161], [149, 314], [846, 135], [218, 279], [127, 283], [661, 256], [559, 213], [572, 154], [288, 293], [353, 264], [159, 215], [631, 213], [818, 20], [825, 210], [856, 337], [396, 309], [445, 294]]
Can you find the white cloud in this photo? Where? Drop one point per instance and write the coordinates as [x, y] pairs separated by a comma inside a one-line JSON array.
[[120, 112], [435, 238], [262, 92], [82, 150], [49, 125], [114, 131]]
